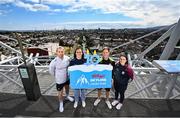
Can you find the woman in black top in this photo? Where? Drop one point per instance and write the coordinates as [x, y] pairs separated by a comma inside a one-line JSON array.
[[108, 61], [78, 60], [122, 73]]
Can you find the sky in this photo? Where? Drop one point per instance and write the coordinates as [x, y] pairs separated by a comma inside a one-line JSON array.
[[88, 14]]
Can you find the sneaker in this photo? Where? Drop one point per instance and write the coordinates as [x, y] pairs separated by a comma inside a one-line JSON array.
[[97, 102], [75, 104], [61, 108], [70, 98], [118, 107], [83, 103], [108, 104], [115, 102]]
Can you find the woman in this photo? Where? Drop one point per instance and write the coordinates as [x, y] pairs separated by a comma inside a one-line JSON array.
[[108, 61], [122, 73], [78, 60]]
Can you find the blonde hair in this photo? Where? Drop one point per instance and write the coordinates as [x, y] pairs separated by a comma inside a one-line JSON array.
[[59, 47]]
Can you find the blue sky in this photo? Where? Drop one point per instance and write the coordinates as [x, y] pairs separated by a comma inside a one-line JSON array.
[[88, 14]]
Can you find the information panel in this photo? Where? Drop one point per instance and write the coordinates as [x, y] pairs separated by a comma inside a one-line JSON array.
[[170, 66]]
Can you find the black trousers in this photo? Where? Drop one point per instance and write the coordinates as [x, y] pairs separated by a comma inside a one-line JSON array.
[[120, 91]]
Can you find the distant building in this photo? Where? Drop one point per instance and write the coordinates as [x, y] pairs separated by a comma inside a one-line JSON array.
[[35, 50]]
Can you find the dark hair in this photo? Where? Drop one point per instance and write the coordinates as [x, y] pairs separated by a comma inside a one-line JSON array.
[[124, 55], [76, 50], [106, 48]]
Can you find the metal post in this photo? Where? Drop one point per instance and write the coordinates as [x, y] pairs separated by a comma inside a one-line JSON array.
[[145, 87], [171, 86], [178, 57], [138, 86], [11, 80], [21, 48], [130, 42], [158, 41], [175, 96], [90, 92], [129, 59], [50, 87], [173, 40], [8, 47]]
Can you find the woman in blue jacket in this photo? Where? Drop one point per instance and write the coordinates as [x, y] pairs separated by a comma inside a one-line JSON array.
[[122, 73], [78, 60]]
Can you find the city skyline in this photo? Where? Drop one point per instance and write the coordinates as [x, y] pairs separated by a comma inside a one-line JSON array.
[[78, 14]]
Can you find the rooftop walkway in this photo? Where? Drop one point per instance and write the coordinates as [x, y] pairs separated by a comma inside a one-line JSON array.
[[16, 105]]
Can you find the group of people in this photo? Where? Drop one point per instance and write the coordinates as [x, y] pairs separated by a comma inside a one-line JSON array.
[[121, 74]]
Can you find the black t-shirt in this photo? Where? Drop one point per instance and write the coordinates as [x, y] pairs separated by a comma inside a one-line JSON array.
[[107, 62]]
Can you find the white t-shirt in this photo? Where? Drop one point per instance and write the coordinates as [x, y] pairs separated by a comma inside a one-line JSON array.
[[58, 68]]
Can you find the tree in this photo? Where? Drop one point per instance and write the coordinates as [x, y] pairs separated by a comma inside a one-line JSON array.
[[61, 42], [83, 38]]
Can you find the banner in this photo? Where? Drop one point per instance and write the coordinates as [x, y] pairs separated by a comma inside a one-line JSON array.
[[90, 76]]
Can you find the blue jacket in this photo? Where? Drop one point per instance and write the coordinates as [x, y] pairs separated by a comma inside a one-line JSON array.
[[120, 76]]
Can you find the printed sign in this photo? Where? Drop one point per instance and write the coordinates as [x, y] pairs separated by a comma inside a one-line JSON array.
[[24, 73], [90, 76]]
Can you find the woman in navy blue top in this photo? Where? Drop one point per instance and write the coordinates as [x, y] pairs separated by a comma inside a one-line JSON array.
[[78, 60]]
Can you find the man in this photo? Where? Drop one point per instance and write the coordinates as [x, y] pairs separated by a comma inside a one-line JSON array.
[[58, 69], [105, 60]]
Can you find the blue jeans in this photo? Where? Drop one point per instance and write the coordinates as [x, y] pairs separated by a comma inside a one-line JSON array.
[[79, 93]]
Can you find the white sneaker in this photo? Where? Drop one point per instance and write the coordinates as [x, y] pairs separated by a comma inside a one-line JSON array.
[[83, 103], [118, 107], [70, 98], [108, 104], [75, 104], [115, 102], [61, 108], [97, 102]]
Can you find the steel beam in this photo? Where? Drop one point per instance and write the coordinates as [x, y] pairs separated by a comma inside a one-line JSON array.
[[173, 40], [157, 42]]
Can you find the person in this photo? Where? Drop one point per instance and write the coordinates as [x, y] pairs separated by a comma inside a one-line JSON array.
[[122, 74], [58, 69], [78, 60], [105, 60]]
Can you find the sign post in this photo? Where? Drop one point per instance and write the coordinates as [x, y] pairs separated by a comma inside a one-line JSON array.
[[29, 77]]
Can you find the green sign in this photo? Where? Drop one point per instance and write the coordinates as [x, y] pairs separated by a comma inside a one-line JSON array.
[[24, 73]]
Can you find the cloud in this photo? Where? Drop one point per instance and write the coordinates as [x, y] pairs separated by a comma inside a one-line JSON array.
[[59, 2], [34, 1], [1, 12], [4, 12], [32, 7], [35, 5], [147, 12], [6, 1]]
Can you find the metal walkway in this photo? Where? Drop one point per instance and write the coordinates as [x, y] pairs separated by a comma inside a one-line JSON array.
[[16, 105]]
